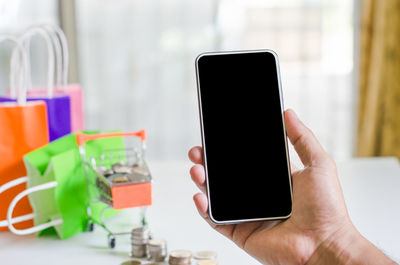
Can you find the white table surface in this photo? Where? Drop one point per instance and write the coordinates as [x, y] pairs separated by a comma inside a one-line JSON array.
[[371, 188]]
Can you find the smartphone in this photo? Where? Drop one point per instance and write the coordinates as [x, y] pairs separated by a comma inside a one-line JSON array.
[[243, 136]]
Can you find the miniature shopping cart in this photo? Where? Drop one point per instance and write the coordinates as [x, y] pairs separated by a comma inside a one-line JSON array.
[[119, 178]]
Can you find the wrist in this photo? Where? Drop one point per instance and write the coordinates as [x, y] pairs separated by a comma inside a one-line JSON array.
[[348, 247]]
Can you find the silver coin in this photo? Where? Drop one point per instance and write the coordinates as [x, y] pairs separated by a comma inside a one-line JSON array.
[[136, 178], [139, 246], [181, 253], [140, 230], [140, 234], [139, 242], [157, 243], [140, 238], [159, 258], [141, 171], [122, 169], [162, 253], [132, 262], [120, 179], [180, 257], [157, 249], [207, 262], [108, 172], [185, 262], [139, 253], [118, 164], [205, 255]]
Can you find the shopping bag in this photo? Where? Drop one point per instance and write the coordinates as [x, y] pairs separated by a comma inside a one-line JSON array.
[[58, 105], [74, 91], [57, 187], [23, 128]]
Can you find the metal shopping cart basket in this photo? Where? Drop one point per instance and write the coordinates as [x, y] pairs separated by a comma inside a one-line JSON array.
[[120, 177]]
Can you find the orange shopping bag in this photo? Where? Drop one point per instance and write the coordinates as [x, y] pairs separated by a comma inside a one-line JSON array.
[[23, 128]]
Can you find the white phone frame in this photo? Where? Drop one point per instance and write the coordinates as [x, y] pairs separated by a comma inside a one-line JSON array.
[[203, 137]]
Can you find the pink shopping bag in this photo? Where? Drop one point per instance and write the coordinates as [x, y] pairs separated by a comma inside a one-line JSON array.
[[75, 93]]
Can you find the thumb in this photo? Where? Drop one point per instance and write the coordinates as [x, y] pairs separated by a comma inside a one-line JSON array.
[[306, 145]]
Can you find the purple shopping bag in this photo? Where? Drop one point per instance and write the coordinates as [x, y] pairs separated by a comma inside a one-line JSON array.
[[58, 113]]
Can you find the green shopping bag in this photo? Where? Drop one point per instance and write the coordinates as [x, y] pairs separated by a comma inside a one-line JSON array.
[[58, 184]]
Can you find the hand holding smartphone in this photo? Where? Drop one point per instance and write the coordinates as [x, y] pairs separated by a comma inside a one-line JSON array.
[[243, 135]]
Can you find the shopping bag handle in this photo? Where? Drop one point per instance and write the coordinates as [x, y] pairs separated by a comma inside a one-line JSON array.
[[26, 36], [81, 138], [62, 41], [17, 81], [17, 198], [9, 185]]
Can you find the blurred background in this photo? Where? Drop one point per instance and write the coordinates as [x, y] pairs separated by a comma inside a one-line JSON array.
[[135, 62]]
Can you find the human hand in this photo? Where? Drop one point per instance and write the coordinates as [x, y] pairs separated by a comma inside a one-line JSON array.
[[319, 226]]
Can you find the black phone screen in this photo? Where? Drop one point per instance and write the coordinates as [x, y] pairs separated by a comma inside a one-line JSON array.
[[244, 145]]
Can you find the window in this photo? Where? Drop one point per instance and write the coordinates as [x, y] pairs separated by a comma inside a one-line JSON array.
[[137, 63], [314, 40]]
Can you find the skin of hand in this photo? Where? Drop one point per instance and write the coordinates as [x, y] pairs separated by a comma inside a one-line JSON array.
[[319, 230]]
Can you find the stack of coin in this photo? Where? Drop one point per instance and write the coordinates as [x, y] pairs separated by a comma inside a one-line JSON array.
[[157, 249], [180, 257], [140, 238]]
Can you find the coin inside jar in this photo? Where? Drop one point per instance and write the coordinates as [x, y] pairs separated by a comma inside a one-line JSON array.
[[101, 169], [122, 169], [140, 170], [120, 179], [119, 168], [118, 164], [108, 172]]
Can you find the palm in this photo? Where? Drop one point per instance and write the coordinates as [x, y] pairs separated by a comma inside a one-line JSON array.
[[318, 206], [254, 236]]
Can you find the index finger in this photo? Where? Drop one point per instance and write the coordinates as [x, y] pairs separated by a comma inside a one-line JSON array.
[[196, 155]]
